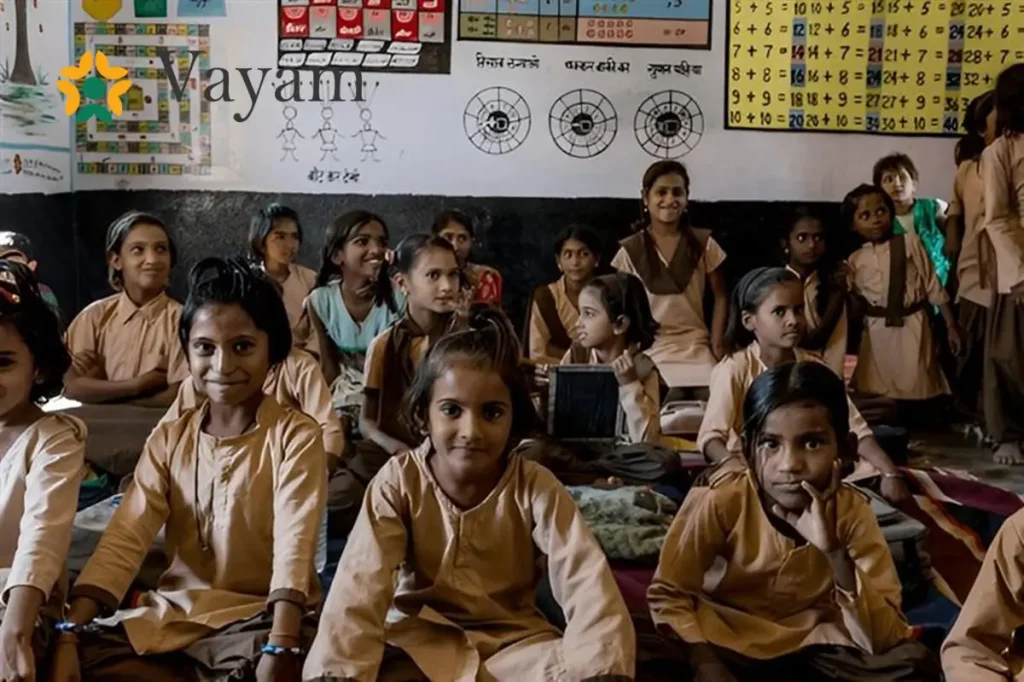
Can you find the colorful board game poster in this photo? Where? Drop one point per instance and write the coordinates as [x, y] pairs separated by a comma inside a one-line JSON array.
[[401, 36], [202, 8]]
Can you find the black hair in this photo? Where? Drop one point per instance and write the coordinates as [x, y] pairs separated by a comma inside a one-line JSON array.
[[848, 209], [118, 232], [486, 341], [657, 170], [234, 281], [972, 144], [453, 215], [751, 291], [338, 234], [826, 266], [583, 235], [262, 224], [16, 241], [23, 307], [893, 163], [623, 295], [1010, 101], [795, 383], [408, 251]]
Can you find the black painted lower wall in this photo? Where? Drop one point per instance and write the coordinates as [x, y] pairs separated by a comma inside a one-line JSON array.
[[514, 234]]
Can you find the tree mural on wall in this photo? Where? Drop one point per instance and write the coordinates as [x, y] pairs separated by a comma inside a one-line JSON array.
[[22, 71]]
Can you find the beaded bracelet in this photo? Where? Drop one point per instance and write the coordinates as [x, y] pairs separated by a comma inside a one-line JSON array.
[[272, 650], [66, 626]]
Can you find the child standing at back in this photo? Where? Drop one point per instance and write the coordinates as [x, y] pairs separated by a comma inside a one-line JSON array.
[[675, 262], [124, 347], [439, 577], [42, 462], [897, 176], [483, 283], [895, 277], [766, 324]]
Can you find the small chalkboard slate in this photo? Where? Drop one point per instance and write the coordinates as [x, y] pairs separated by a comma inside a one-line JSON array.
[[583, 404]]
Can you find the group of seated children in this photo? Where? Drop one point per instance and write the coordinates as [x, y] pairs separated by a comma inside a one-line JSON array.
[[773, 566]]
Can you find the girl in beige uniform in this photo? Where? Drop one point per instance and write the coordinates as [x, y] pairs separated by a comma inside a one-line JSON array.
[[275, 236], [124, 347], [803, 585], [675, 261], [766, 324], [1002, 174], [42, 462], [616, 328], [438, 578], [238, 485], [554, 311]]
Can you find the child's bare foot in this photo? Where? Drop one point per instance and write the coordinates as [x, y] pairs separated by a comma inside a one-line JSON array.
[[1009, 453]]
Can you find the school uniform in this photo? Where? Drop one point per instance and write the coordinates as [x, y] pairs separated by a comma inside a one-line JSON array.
[[296, 286], [973, 297], [768, 604], [456, 587], [1002, 173], [639, 400], [897, 353], [834, 352], [675, 288], [925, 221], [297, 383], [39, 479], [131, 340], [550, 319], [983, 646], [241, 518], [723, 417]]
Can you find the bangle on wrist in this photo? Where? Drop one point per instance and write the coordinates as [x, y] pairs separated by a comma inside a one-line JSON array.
[[272, 650], [67, 627]]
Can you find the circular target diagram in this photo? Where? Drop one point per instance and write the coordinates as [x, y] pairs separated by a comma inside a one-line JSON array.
[[668, 124], [583, 123], [497, 120]]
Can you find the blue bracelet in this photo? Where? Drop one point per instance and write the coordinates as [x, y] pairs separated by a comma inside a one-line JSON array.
[[74, 628], [272, 650]]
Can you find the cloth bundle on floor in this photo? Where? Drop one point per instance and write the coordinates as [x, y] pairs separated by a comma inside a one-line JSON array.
[[629, 522]]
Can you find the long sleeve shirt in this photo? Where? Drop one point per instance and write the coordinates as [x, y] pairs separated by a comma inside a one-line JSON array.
[[1002, 173]]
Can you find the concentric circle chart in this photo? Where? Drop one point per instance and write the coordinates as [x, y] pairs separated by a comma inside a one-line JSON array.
[[668, 124], [497, 120], [583, 123]]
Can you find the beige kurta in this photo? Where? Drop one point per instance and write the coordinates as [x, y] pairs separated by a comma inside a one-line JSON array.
[[462, 605], [300, 281], [834, 353], [682, 349], [298, 383], [389, 417], [540, 335], [39, 478], [242, 521], [767, 596], [723, 418], [978, 648], [969, 202], [131, 340], [640, 400], [897, 362], [1002, 174]]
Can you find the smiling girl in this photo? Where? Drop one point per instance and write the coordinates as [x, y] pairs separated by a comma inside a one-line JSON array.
[[124, 347], [675, 262]]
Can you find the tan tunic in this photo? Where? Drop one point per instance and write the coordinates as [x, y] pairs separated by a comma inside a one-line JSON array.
[[540, 335], [682, 350], [298, 383], [727, 577], [300, 281], [1002, 174], [462, 604], [834, 353], [39, 479], [969, 202], [978, 648], [640, 400], [723, 418], [897, 362], [242, 521], [131, 340], [389, 417]]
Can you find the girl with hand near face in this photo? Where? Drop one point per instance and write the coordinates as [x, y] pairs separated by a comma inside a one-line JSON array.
[[465, 522], [483, 284]]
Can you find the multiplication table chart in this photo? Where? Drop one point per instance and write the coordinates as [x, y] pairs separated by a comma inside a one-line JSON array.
[[903, 67]]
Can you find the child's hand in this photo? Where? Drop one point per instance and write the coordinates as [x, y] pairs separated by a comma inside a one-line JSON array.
[[64, 663], [955, 335], [717, 346], [154, 380], [283, 668], [625, 370], [841, 275], [87, 364], [817, 522], [894, 490], [17, 662]]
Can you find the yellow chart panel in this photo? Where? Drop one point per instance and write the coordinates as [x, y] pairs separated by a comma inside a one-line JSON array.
[[901, 67]]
